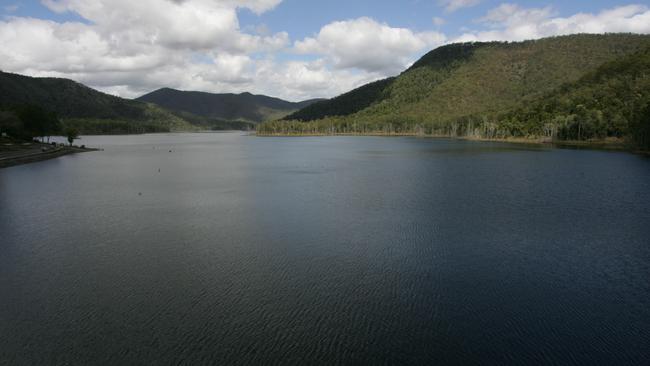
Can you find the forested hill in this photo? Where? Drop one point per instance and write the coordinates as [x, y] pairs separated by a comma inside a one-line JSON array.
[[229, 107], [474, 89], [88, 110], [611, 101], [345, 104]]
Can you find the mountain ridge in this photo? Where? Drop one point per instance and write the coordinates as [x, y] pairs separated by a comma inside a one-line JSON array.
[[88, 110], [467, 89], [245, 106], [93, 112]]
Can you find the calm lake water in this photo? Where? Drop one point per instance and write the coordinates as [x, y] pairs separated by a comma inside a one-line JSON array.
[[233, 249]]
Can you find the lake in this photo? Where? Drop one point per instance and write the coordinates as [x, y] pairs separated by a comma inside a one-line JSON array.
[[221, 248]]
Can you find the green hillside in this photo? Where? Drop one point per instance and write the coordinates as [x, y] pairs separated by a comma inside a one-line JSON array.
[[86, 109], [245, 107], [345, 104], [611, 101], [473, 89]]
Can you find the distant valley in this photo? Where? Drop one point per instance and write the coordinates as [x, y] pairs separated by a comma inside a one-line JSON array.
[[244, 107], [166, 110]]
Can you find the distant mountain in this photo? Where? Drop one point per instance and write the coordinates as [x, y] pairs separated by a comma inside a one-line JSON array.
[[487, 90], [89, 110], [226, 107]]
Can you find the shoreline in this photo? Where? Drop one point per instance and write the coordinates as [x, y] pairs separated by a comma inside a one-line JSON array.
[[35, 154], [607, 145], [33, 157]]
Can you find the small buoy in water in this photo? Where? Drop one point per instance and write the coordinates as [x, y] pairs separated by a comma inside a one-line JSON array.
[[158, 170], [139, 193]]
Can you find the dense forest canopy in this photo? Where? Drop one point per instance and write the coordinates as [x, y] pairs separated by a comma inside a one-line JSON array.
[[28, 122]]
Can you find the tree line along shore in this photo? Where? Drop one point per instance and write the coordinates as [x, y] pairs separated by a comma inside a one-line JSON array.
[[24, 132]]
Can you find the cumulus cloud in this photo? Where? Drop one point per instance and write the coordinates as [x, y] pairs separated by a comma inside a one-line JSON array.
[[129, 47], [175, 24], [453, 5], [368, 45], [299, 80], [60, 6], [511, 22]]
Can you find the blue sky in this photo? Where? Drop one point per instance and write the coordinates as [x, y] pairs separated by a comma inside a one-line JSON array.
[[27, 8], [302, 18], [295, 49]]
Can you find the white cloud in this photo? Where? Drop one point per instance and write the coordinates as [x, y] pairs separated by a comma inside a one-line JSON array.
[[511, 22], [298, 80], [67, 47], [175, 24], [87, 7], [368, 45], [438, 21], [130, 47], [453, 5]]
